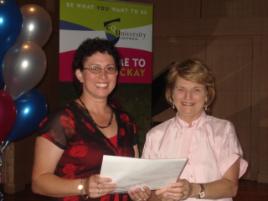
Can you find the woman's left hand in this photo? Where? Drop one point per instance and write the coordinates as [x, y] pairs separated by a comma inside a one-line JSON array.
[[139, 193], [99, 186], [180, 190]]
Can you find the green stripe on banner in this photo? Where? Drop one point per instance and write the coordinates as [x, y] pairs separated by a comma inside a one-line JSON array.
[[84, 12]]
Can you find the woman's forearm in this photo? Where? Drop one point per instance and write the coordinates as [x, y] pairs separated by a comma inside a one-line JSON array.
[[221, 189], [54, 186]]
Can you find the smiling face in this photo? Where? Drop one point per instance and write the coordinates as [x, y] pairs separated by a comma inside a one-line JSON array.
[[190, 87], [189, 99], [97, 85]]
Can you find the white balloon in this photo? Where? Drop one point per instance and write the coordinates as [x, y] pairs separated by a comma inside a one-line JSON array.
[[36, 25], [24, 66]]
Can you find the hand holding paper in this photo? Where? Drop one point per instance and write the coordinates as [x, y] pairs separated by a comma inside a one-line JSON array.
[[128, 172]]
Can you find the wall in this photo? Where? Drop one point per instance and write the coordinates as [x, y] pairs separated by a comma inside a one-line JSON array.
[[231, 37]]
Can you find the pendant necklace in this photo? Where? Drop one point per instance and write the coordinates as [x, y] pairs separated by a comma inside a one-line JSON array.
[[95, 123]]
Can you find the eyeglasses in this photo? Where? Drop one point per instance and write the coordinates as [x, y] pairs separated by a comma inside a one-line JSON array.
[[97, 69]]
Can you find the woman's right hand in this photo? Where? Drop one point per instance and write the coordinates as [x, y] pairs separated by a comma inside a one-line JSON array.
[[180, 190], [139, 193], [99, 186]]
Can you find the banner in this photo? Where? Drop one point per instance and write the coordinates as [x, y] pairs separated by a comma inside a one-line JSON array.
[[127, 24]]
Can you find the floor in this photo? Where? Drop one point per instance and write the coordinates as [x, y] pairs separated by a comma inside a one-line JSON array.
[[248, 191]]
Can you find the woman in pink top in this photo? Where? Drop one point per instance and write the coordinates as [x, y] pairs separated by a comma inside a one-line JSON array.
[[214, 154]]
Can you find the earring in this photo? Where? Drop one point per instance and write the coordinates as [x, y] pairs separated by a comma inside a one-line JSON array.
[[205, 107], [173, 106]]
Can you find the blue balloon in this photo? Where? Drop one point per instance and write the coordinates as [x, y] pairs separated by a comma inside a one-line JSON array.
[[31, 109], [10, 24]]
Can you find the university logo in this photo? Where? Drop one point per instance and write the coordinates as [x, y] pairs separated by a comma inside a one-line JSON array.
[[112, 31]]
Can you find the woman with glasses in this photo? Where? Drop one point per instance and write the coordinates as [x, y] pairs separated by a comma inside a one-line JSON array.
[[69, 150]]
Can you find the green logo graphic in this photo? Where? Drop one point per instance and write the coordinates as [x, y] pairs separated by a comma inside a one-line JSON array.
[[111, 30]]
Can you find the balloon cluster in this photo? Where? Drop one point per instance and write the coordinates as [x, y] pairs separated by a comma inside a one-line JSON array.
[[23, 32]]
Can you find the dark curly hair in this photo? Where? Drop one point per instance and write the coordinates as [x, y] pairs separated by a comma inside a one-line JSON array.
[[86, 49]]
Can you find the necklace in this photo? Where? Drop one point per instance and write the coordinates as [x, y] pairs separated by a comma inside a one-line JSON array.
[[99, 126]]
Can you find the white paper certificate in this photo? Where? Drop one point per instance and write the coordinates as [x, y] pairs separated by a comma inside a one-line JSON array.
[[128, 172]]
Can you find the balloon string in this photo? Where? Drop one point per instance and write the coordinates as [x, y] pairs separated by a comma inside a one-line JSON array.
[[3, 146]]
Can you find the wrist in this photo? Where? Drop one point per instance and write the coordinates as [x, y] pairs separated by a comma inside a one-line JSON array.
[[194, 190], [82, 187], [202, 192]]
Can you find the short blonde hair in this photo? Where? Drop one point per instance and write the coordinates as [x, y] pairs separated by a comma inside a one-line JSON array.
[[191, 70]]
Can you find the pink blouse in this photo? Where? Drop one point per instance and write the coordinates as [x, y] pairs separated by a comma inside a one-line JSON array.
[[210, 144]]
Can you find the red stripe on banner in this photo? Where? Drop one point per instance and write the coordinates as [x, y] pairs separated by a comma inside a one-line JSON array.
[[65, 71], [136, 66]]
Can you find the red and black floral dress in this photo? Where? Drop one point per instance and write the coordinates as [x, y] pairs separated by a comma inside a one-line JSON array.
[[84, 145]]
